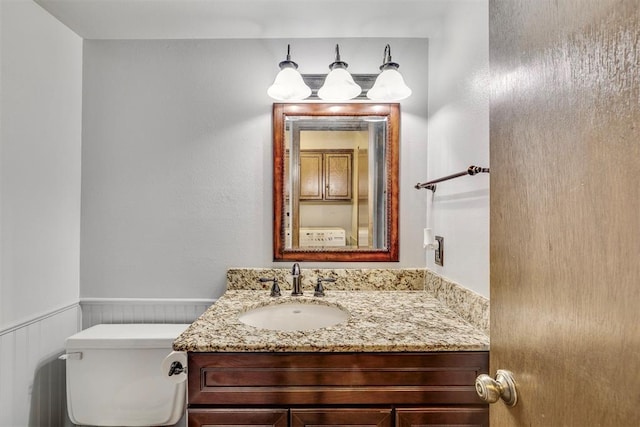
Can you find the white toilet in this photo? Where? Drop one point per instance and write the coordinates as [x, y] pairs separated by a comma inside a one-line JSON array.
[[114, 376]]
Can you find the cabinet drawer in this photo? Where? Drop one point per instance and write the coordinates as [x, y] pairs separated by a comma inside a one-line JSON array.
[[239, 417], [334, 378], [459, 417], [341, 417]]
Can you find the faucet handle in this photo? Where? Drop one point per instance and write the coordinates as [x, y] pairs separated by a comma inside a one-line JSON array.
[[319, 291], [275, 289]]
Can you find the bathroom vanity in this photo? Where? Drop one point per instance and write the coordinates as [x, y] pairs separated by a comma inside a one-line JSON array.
[[402, 358], [368, 388]]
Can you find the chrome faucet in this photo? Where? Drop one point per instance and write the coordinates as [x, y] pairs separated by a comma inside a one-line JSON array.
[[297, 280]]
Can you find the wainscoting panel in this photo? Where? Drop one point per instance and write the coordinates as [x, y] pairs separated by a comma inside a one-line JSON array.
[[120, 310], [32, 379]]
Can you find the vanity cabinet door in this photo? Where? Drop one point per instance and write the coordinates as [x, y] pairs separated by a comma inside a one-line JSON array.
[[238, 417], [458, 416], [341, 417]]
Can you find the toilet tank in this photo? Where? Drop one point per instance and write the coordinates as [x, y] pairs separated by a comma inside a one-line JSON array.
[[114, 376]]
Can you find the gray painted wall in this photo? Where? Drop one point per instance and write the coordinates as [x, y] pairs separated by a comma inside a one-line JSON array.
[[176, 158], [40, 130], [459, 88]]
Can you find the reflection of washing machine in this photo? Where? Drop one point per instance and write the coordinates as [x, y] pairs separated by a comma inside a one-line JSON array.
[[321, 236]]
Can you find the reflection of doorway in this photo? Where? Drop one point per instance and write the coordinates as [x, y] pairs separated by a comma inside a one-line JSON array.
[[334, 189], [326, 195], [326, 186]]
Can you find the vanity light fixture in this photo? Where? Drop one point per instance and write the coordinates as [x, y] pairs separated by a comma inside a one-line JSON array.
[[339, 85], [289, 85], [389, 85]]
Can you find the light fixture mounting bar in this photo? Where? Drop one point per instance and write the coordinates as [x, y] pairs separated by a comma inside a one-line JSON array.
[[315, 81]]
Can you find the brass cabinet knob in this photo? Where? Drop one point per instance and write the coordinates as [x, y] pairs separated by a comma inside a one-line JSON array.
[[503, 386]]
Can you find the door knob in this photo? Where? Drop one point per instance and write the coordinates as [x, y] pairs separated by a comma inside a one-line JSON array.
[[504, 386]]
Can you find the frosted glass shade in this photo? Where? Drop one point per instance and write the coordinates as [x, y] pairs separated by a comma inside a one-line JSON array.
[[389, 86], [289, 86], [339, 86]]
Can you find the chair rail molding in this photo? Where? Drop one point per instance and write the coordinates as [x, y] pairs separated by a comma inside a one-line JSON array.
[[141, 310]]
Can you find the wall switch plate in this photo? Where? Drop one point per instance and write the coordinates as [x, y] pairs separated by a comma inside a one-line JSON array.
[[439, 252]]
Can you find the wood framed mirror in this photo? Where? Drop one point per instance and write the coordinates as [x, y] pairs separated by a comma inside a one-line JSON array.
[[335, 182]]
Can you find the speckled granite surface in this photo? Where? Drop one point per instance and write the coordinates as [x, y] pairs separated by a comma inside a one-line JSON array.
[[379, 321], [347, 279], [472, 307]]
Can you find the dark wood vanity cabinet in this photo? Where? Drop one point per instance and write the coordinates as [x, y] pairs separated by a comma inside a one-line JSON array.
[[336, 389]]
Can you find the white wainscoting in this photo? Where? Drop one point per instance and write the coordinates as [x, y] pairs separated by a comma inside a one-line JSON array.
[[125, 310], [32, 379]]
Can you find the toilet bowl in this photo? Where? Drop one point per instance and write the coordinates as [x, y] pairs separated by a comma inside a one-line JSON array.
[[114, 376]]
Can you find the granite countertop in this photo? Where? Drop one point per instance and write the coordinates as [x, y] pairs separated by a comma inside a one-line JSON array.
[[379, 321]]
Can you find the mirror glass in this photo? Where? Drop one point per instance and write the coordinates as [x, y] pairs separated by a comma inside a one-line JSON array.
[[336, 182]]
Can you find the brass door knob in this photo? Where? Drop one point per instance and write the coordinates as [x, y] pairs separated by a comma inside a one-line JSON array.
[[503, 386]]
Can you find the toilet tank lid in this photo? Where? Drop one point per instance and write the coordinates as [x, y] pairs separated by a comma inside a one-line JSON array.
[[126, 336]]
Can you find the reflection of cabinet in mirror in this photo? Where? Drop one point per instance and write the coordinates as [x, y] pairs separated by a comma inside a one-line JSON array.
[[325, 175]]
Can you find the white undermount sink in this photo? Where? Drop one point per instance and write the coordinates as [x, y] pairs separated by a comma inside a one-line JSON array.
[[294, 316]]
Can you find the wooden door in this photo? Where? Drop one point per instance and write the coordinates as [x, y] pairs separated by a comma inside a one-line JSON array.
[[341, 417], [565, 210]]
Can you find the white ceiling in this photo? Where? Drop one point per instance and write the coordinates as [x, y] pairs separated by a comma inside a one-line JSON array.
[[213, 19]]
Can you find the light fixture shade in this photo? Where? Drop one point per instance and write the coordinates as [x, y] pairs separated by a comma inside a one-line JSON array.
[[339, 86], [289, 86], [389, 86]]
